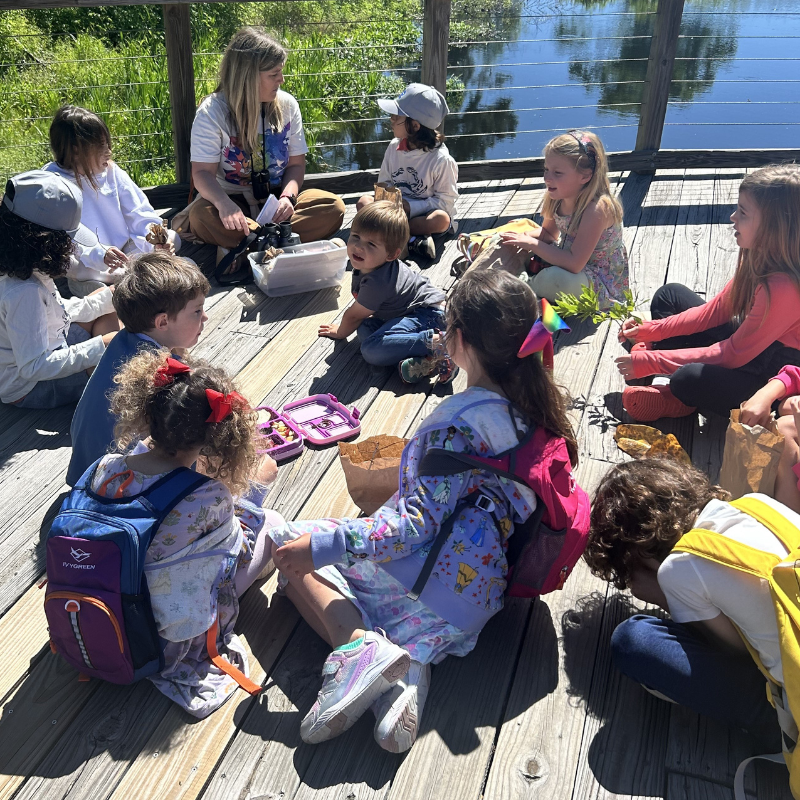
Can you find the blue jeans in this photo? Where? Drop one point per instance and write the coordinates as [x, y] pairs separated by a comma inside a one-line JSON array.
[[679, 662], [385, 344]]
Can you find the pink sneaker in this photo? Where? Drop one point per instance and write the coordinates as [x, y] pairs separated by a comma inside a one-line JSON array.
[[649, 403]]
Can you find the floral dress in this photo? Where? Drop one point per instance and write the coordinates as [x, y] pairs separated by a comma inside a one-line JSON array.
[[469, 576], [190, 568], [607, 267]]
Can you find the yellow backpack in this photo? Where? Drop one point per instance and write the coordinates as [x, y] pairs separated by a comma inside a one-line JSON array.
[[783, 576]]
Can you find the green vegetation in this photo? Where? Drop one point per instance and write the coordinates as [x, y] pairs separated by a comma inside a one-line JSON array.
[[112, 61], [587, 306]]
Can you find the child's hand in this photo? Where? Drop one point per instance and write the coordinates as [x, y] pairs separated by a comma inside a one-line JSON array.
[[756, 410], [625, 366], [266, 470], [524, 241], [115, 258], [629, 330], [329, 331], [791, 406], [169, 247], [294, 558]]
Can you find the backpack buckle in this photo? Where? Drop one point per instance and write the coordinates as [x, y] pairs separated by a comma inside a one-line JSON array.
[[485, 503]]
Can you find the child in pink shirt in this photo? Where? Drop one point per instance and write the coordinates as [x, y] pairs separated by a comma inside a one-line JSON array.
[[719, 353]]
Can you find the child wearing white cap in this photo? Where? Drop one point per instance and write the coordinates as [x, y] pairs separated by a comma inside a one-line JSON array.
[[418, 163], [47, 344]]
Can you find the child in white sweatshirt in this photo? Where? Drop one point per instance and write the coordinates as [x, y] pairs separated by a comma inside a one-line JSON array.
[[114, 208], [418, 163]]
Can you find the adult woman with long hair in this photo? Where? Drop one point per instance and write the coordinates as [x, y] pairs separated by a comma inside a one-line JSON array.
[[248, 143]]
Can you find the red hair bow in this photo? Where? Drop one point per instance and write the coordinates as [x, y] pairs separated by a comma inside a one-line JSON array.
[[222, 404], [166, 372]]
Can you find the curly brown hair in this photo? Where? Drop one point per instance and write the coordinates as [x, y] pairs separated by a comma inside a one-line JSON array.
[[494, 312], [174, 416], [26, 246], [640, 510]]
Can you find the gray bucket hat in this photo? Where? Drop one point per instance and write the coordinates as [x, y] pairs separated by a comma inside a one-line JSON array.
[[50, 201], [420, 102]]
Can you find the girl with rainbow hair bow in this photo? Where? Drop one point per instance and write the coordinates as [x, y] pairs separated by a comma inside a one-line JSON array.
[[351, 577]]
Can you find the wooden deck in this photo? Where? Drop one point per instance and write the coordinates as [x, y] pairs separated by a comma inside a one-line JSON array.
[[536, 711]]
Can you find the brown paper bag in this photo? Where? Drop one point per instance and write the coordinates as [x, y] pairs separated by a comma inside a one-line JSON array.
[[385, 191], [750, 460], [372, 469]]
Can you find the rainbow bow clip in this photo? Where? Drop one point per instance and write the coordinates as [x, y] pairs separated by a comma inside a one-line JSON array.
[[540, 337]]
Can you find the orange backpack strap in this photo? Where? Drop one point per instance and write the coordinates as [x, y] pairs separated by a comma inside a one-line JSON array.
[[211, 645]]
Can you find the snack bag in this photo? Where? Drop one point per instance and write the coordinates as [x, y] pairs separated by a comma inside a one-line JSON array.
[[385, 191], [750, 460], [642, 441], [372, 469]]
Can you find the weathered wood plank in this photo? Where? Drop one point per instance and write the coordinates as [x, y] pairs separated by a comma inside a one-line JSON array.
[[178, 758], [24, 629], [724, 250], [625, 736], [685, 787], [691, 243], [455, 745], [180, 74], [539, 742]]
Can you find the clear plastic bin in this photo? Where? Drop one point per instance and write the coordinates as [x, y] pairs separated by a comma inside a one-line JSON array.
[[301, 268]]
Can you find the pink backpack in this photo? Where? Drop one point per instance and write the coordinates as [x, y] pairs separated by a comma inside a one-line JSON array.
[[543, 550]]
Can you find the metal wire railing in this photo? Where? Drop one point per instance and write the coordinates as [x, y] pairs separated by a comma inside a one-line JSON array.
[[513, 75]]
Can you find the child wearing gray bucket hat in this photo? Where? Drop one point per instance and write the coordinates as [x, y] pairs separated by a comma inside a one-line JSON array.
[[47, 343], [418, 163]]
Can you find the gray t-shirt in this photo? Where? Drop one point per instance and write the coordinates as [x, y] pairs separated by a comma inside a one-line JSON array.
[[394, 290]]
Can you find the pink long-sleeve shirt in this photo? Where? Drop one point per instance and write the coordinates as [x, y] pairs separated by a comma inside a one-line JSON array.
[[789, 376], [773, 317]]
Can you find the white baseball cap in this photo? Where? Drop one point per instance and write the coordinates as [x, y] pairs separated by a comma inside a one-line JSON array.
[[48, 200], [420, 102]]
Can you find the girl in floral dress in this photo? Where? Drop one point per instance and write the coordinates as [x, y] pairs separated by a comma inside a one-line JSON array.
[[581, 236], [350, 577], [210, 548]]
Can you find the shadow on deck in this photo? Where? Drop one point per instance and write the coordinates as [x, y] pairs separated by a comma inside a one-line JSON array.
[[536, 711]]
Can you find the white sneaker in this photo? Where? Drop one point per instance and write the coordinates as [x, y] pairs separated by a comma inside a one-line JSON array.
[[398, 712]]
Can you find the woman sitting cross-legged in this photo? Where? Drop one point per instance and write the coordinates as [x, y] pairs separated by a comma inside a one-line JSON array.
[[248, 143]]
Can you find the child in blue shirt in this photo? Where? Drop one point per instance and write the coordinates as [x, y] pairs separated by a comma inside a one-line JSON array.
[[160, 302]]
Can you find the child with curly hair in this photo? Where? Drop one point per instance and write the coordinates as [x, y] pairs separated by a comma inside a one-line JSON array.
[[699, 656], [191, 412], [48, 345]]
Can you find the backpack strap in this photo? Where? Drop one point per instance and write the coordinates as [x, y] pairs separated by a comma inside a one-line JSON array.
[[472, 501], [251, 687], [168, 491]]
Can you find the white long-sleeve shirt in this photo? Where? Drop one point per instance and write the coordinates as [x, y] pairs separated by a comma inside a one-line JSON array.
[[34, 321], [428, 179], [117, 212]]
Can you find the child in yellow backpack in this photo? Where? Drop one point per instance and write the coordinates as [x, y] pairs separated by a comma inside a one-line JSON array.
[[698, 657]]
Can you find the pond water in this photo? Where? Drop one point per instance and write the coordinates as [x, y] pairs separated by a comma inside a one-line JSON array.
[[581, 64]]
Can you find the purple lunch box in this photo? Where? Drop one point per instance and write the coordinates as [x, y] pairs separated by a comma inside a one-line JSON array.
[[320, 419]]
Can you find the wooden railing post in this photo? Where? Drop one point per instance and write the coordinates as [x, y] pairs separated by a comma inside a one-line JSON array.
[[180, 72], [663, 47], [435, 42]]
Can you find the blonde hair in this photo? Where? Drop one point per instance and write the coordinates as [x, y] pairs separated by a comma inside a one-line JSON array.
[[585, 150], [250, 52], [776, 247], [387, 219], [174, 416]]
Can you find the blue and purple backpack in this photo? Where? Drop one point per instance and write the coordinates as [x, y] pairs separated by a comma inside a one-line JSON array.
[[97, 603]]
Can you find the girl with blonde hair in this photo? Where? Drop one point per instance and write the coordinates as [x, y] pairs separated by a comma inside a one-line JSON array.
[[248, 143], [211, 547], [581, 236], [721, 352]]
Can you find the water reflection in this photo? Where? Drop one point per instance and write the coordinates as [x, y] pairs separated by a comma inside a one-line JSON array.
[[706, 41]]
